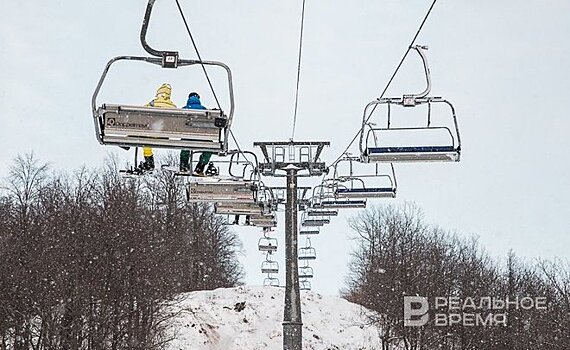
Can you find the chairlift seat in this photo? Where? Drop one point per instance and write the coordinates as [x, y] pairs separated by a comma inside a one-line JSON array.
[[315, 222], [265, 221], [238, 191], [413, 154], [371, 192], [267, 244], [193, 129], [342, 204], [232, 208], [305, 231], [322, 212]]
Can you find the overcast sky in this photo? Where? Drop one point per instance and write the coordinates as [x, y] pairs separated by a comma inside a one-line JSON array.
[[504, 65]]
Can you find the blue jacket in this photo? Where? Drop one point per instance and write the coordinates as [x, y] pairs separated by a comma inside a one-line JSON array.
[[193, 103]]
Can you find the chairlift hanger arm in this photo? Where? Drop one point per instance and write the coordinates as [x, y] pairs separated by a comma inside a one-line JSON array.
[[169, 59], [420, 50]]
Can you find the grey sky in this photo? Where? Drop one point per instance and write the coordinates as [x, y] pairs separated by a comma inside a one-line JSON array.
[[504, 65]]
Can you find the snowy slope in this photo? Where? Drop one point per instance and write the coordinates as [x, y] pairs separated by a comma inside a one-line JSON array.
[[212, 320]]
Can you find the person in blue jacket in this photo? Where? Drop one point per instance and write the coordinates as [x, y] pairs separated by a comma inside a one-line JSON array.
[[194, 103]]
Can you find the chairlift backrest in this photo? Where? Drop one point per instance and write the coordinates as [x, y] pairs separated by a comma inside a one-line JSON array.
[[265, 221], [371, 192], [217, 191], [342, 204], [237, 208]]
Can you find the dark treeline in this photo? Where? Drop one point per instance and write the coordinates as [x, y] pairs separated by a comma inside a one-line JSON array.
[[399, 255], [90, 260]]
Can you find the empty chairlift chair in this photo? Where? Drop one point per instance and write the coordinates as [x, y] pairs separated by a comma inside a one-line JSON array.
[[342, 204], [321, 212], [237, 208], [269, 267], [304, 285], [220, 190], [314, 221], [271, 281], [128, 125], [372, 139], [267, 244], [354, 187], [324, 199], [265, 220], [307, 253], [306, 272]]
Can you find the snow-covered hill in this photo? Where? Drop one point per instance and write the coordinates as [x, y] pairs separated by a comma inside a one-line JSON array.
[[249, 318]]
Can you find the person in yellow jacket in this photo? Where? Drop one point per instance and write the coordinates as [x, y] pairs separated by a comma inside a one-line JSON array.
[[162, 100]]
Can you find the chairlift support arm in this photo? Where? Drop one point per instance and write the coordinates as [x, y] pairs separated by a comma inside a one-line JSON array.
[[169, 59]]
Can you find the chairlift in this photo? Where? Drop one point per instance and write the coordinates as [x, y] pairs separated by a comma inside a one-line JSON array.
[[270, 281], [269, 266], [342, 204], [265, 221], [323, 198], [304, 285], [315, 222], [306, 272], [307, 253], [237, 208], [267, 244], [215, 190], [321, 212], [358, 185], [449, 149], [127, 125]]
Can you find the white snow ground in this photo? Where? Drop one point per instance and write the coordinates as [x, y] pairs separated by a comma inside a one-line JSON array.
[[209, 320]]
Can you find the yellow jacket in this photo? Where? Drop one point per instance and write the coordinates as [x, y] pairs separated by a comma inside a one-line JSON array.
[[162, 100]]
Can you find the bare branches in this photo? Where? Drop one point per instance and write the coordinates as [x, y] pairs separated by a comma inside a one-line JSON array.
[[97, 257], [398, 255]]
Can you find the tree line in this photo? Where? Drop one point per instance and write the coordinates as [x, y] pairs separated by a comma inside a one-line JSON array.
[[90, 260], [399, 255]]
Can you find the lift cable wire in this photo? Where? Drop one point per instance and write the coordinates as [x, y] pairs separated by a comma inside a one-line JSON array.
[[206, 73], [298, 71], [198, 53], [389, 82]]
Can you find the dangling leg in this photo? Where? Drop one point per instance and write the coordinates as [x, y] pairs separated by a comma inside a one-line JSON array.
[[204, 159], [184, 160], [148, 159]]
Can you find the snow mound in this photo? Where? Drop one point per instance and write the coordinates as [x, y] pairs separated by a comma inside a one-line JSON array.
[[249, 318]]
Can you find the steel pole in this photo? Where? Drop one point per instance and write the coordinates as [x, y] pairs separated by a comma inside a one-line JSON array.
[[292, 323]]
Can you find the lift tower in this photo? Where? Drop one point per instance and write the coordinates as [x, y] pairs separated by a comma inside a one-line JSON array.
[[292, 159]]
